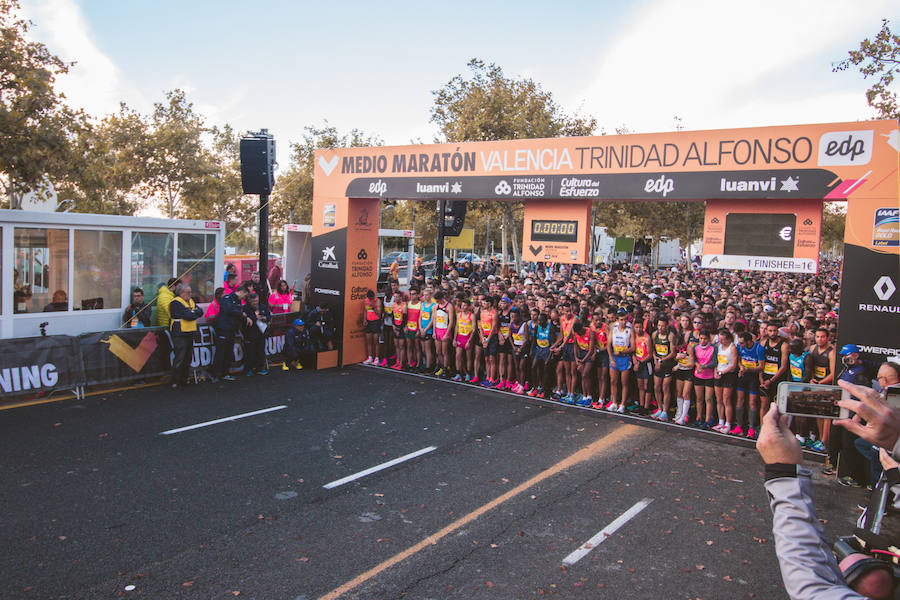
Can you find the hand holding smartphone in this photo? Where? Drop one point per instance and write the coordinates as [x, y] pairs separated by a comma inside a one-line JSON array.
[[811, 400]]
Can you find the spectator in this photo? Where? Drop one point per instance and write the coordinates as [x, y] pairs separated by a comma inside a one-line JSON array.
[[60, 302], [322, 328], [212, 311], [260, 287], [254, 330], [231, 317], [418, 273], [842, 449], [137, 314], [183, 327], [306, 291], [299, 349], [275, 274], [280, 300], [231, 282], [164, 297], [230, 269]]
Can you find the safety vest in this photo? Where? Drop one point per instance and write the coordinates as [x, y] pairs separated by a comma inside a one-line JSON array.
[[186, 326]]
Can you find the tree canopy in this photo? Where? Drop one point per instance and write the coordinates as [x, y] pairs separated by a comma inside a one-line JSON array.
[[879, 58]]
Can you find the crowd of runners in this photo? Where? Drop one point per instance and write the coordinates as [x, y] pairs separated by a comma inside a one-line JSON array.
[[700, 347]]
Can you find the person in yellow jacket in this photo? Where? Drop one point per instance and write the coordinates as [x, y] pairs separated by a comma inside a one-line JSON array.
[[164, 297], [184, 314]]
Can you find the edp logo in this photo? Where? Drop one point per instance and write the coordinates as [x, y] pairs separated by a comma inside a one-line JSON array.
[[845, 148]]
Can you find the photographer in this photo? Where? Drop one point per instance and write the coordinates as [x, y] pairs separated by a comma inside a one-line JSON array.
[[808, 567]]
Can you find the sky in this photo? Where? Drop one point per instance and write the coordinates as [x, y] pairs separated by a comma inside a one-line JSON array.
[[285, 65]]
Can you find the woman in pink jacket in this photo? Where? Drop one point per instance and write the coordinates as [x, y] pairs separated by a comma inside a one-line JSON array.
[[280, 299]]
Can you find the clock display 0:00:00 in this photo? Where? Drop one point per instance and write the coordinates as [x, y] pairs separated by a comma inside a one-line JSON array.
[[544, 230]]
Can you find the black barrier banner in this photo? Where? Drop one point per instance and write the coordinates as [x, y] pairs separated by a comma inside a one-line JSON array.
[[124, 355], [38, 365], [204, 345]]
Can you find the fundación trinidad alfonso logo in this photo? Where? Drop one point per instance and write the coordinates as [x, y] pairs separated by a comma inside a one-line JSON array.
[[135, 358]]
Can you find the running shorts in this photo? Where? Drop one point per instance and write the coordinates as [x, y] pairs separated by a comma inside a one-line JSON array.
[[665, 368], [698, 382], [373, 327], [644, 370], [749, 383], [621, 363], [684, 374], [728, 380]]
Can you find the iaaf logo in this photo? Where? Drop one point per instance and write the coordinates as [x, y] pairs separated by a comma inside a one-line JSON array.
[[663, 185], [837, 148]]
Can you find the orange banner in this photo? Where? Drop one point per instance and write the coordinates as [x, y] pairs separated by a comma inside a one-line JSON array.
[[557, 232]]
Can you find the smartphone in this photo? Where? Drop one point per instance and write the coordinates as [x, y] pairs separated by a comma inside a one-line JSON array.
[[892, 395], [812, 400]]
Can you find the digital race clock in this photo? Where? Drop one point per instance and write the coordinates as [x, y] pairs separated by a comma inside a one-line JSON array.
[[545, 230]]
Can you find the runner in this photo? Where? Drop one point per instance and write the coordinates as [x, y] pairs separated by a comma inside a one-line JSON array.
[[775, 369], [387, 330], [620, 349], [464, 340], [601, 356], [664, 343], [704, 374], [544, 337], [520, 338], [823, 358], [399, 310], [642, 364], [373, 327], [426, 333], [565, 371], [684, 369], [726, 379], [752, 357], [584, 356], [486, 347], [413, 312], [504, 346], [443, 328]]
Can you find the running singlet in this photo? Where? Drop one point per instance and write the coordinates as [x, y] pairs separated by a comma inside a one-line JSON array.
[[752, 357], [464, 324], [518, 335], [371, 311], [797, 363], [486, 322], [412, 316], [723, 357], [542, 336], [441, 317], [425, 316], [620, 339], [821, 364], [773, 358], [388, 310], [504, 320], [583, 340], [642, 347], [399, 308], [661, 346], [704, 356], [601, 335], [567, 327]]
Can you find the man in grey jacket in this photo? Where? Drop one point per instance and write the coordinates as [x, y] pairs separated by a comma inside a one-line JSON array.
[[808, 567]]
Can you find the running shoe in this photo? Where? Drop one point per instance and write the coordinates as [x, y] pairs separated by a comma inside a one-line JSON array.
[[397, 367], [439, 372], [721, 428], [229, 378], [568, 399], [458, 377], [704, 425], [710, 424], [285, 366], [585, 401], [610, 406], [474, 380], [663, 416], [698, 424], [498, 385], [751, 433], [368, 361], [598, 405], [621, 409], [383, 363], [655, 414], [263, 372], [487, 383], [817, 446], [828, 469], [533, 392], [542, 395], [848, 481], [633, 407], [737, 430]]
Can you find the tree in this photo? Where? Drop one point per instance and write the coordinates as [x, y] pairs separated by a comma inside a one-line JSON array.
[[293, 189], [834, 218], [490, 106], [105, 170], [216, 192], [878, 58], [36, 127], [174, 156]]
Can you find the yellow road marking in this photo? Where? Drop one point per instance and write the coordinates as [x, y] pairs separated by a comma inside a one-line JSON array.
[[71, 396], [582, 455]]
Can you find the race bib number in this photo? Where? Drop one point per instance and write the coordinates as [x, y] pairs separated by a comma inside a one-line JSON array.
[[441, 321], [518, 338], [821, 372], [722, 358], [796, 373], [504, 329], [770, 369], [661, 350], [748, 364], [543, 343], [618, 348], [465, 328]]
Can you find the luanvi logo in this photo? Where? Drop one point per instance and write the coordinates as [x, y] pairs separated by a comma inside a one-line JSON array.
[[840, 148], [328, 165]]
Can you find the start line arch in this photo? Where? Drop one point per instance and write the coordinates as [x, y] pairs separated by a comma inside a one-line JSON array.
[[755, 179]]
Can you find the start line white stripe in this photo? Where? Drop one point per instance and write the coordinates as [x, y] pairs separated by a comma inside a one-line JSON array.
[[377, 468], [224, 420], [606, 532]]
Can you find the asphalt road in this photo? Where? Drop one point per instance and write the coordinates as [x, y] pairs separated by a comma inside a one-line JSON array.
[[96, 500]]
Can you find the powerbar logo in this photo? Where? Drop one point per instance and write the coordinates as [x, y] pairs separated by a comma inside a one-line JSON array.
[[879, 350], [841, 148], [33, 377], [327, 292]]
